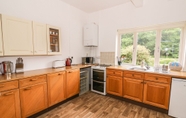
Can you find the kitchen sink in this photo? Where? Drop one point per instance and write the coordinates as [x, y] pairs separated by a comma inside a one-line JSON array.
[[138, 68]]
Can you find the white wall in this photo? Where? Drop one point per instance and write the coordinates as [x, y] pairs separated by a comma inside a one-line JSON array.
[[53, 12], [127, 15]]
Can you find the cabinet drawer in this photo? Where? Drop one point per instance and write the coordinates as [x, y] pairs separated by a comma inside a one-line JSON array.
[[115, 72], [8, 85], [158, 78], [32, 80], [135, 75]]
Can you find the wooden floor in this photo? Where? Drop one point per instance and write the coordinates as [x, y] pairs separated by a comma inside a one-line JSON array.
[[92, 105]]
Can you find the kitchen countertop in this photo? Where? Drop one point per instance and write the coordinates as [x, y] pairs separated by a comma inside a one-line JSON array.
[[177, 74], [4, 78]]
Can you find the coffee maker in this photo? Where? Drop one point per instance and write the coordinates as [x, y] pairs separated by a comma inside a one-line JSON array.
[[6, 67]]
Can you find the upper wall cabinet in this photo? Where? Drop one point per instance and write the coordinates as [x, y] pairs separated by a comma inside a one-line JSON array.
[[1, 40], [17, 36], [54, 40], [39, 38], [90, 35]]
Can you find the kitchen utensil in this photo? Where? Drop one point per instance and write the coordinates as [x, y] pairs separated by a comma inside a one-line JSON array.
[[6, 67], [19, 65]]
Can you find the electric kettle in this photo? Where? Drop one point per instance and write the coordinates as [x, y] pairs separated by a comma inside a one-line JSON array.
[[69, 61], [6, 67]]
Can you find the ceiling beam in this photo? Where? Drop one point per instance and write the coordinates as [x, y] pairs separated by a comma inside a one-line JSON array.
[[137, 3]]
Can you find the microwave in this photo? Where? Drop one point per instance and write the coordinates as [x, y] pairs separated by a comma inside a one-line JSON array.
[[87, 60]]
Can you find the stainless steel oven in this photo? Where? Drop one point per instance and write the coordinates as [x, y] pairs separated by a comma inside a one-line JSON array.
[[98, 79]]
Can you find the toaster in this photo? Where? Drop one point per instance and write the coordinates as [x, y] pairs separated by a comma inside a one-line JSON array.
[[58, 64]]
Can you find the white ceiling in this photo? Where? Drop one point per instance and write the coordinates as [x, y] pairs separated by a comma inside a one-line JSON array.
[[94, 5]]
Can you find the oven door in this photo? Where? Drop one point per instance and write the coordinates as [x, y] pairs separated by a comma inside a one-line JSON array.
[[98, 75], [98, 87]]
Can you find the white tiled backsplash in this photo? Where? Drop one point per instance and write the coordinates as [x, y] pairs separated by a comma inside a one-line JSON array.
[[107, 58]]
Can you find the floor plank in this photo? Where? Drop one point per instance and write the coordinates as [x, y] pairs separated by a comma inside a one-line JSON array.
[[92, 105]]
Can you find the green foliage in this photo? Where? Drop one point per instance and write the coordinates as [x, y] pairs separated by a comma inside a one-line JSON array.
[[142, 54], [167, 60]]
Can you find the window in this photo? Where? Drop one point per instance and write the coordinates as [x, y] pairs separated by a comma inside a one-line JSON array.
[[146, 47], [155, 45], [170, 40], [127, 47]]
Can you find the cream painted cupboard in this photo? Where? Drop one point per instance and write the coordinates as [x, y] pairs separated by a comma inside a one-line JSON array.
[[39, 38], [17, 36], [1, 40], [54, 40]]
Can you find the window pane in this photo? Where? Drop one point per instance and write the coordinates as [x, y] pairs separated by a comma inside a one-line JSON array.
[[170, 41], [127, 47], [146, 47]]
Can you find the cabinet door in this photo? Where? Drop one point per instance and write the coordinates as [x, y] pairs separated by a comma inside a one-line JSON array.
[[156, 94], [73, 82], [10, 104], [133, 89], [33, 99], [39, 38], [54, 40], [1, 39], [17, 36], [114, 85], [56, 88]]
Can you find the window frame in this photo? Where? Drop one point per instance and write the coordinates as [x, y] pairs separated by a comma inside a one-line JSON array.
[[158, 29]]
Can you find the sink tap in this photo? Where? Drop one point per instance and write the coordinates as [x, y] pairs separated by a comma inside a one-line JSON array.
[[142, 63]]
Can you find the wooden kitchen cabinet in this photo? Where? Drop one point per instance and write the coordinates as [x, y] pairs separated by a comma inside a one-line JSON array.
[[17, 36], [39, 38], [156, 94], [1, 39], [9, 99], [113, 72], [114, 85], [133, 85], [56, 87], [72, 82], [33, 97], [133, 89], [53, 40], [114, 82]]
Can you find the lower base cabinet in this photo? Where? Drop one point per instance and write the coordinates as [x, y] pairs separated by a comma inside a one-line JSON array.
[[156, 94], [133, 89], [33, 99], [72, 82], [56, 87], [10, 104], [114, 85]]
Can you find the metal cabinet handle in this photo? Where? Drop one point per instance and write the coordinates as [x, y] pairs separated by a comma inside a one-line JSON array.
[[27, 88], [2, 86], [156, 78], [69, 71], [59, 74], [7, 94], [142, 82]]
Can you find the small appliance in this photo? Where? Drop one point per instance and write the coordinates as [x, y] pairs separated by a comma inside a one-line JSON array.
[[87, 60], [69, 61], [58, 63], [6, 67], [19, 65]]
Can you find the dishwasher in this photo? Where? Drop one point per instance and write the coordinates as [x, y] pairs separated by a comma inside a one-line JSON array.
[[177, 106]]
